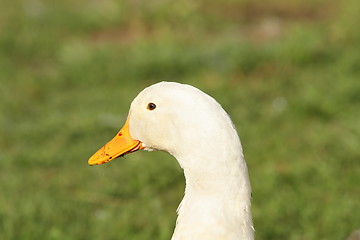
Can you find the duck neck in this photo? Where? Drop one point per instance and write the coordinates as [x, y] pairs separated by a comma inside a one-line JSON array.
[[217, 197]]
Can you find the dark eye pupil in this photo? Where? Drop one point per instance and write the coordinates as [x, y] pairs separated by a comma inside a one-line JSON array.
[[151, 106]]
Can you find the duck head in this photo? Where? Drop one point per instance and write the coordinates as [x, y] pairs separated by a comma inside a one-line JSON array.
[[171, 117]]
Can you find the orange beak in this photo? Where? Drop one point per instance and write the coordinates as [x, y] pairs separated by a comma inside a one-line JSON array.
[[120, 145]]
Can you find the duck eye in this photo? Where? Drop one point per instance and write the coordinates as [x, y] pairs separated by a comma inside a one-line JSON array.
[[151, 106]]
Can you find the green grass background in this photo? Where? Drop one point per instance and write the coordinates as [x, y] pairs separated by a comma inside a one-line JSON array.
[[288, 73]]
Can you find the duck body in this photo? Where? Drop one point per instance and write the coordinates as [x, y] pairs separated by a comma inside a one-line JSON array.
[[194, 128]]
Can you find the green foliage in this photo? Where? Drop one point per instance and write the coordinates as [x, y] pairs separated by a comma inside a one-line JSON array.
[[287, 73]]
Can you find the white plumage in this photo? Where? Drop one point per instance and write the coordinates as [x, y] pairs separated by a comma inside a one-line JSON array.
[[194, 128]]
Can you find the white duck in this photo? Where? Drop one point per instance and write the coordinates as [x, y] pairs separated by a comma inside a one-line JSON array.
[[194, 128]]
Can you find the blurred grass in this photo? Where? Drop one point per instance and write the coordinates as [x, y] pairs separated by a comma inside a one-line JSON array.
[[287, 72]]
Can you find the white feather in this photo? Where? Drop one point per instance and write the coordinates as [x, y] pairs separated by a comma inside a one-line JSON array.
[[196, 130]]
